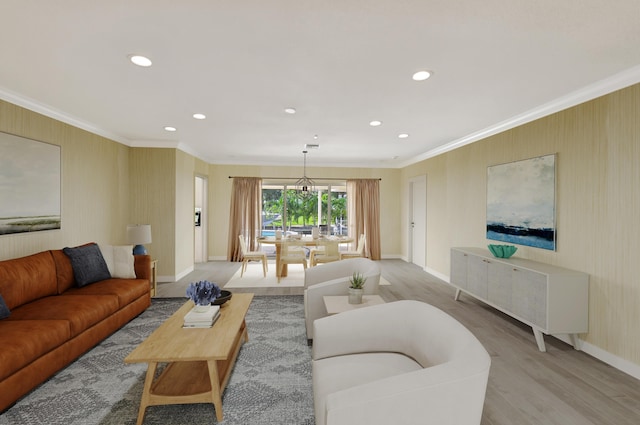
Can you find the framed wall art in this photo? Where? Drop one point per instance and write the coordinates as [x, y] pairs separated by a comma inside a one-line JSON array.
[[521, 202], [30, 185]]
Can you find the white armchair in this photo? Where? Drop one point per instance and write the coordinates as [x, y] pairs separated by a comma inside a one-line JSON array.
[[333, 279], [404, 362]]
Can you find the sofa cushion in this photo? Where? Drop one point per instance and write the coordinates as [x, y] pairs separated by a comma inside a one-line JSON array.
[[120, 260], [127, 290], [4, 310], [88, 264], [81, 311], [64, 271], [24, 341], [333, 374], [25, 279]]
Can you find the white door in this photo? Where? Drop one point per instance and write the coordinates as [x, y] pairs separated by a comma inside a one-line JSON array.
[[200, 230], [418, 221]]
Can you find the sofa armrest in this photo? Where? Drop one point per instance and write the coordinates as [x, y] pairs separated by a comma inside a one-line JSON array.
[[357, 331], [314, 304], [314, 307], [142, 265], [406, 326], [440, 395], [338, 269], [325, 273]]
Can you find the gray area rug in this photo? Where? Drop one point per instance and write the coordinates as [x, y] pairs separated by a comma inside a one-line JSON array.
[[270, 384]]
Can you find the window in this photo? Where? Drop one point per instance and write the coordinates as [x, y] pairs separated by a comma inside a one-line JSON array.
[[284, 209]]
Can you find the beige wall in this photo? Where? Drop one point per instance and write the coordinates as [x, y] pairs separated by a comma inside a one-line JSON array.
[[163, 195], [598, 206], [220, 198], [95, 177], [185, 204], [187, 169], [153, 201]]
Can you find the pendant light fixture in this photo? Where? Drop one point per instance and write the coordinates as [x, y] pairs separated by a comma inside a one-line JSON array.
[[305, 186]]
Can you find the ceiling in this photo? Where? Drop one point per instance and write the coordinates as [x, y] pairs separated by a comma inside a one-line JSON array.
[[341, 64]]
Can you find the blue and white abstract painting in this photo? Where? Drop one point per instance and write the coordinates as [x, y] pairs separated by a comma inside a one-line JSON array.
[[521, 207]]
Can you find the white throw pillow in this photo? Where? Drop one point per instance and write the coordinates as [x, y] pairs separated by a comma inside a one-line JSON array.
[[120, 260]]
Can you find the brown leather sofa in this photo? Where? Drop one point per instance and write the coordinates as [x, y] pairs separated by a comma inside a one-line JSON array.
[[52, 322]]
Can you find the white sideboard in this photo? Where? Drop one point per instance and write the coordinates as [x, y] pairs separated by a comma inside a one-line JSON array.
[[550, 299]]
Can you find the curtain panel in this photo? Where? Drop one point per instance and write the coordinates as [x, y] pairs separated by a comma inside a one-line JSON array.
[[245, 215], [363, 197]]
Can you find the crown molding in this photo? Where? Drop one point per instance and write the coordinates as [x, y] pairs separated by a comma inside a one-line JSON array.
[[616, 82], [48, 111]]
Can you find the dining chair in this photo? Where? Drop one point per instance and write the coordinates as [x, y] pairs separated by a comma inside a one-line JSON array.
[[252, 256], [291, 252], [359, 252], [326, 252]]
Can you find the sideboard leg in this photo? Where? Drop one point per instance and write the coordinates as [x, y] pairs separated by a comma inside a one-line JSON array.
[[539, 339], [455, 298]]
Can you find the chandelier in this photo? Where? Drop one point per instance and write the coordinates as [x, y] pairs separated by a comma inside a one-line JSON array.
[[305, 185]]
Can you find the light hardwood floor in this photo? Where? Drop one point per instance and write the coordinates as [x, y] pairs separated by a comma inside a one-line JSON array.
[[526, 387]]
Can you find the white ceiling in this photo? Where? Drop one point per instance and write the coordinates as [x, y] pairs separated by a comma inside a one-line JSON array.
[[340, 63]]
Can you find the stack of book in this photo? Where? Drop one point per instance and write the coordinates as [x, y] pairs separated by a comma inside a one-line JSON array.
[[202, 319]]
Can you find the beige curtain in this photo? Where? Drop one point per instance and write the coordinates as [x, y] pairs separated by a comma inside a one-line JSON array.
[[245, 216], [363, 197]]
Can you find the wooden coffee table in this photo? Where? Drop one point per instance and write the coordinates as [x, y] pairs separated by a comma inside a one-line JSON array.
[[200, 361]]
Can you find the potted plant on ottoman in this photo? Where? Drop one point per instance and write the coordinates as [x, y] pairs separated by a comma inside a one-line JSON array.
[[356, 288]]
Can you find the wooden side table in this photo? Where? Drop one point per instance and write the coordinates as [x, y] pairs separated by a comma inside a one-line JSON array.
[[338, 303], [154, 277]]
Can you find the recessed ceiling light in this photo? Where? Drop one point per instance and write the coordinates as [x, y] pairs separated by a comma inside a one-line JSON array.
[[375, 123], [403, 136], [140, 60], [422, 75], [290, 110], [199, 116], [169, 128]]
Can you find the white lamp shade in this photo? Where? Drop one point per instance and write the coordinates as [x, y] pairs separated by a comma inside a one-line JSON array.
[[139, 234]]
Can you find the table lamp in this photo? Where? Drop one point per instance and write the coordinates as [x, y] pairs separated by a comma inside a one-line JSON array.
[[139, 234]]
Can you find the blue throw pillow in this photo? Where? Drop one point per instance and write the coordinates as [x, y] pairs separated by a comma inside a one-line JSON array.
[[88, 264], [4, 310]]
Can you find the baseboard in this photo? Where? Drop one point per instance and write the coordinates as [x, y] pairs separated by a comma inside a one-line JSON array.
[[619, 363], [437, 274], [184, 273], [217, 258], [392, 257], [175, 278]]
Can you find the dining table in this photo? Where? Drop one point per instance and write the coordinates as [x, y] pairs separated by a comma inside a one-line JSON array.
[[306, 240]]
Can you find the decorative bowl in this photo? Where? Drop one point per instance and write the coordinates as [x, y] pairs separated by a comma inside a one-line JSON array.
[[223, 298], [502, 251]]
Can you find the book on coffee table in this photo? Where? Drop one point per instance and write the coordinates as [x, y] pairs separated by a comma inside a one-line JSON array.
[[201, 324], [201, 319]]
